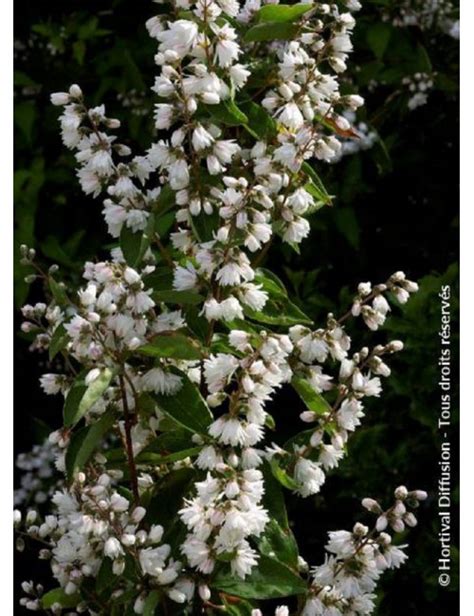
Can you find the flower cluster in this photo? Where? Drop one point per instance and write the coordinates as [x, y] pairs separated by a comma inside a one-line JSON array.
[[418, 86], [365, 138], [442, 15], [39, 474], [355, 560], [93, 522], [169, 353], [359, 376], [227, 509]]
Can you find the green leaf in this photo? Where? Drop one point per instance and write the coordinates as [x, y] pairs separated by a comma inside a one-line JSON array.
[[168, 496], [276, 313], [161, 279], [273, 498], [346, 221], [151, 603], [282, 12], [105, 577], [422, 59], [271, 283], [58, 292], [302, 439], [205, 225], [314, 401], [178, 297], [270, 31], [166, 199], [156, 458], [378, 38], [164, 223], [85, 441], [82, 397], [25, 118], [228, 113], [270, 579], [79, 51], [237, 607], [134, 245], [260, 122], [187, 407], [316, 187], [282, 476], [278, 310], [172, 345], [57, 595], [172, 441], [277, 542], [58, 342]]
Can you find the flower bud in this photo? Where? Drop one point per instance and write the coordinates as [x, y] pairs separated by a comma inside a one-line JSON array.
[[204, 592], [138, 514], [371, 505], [381, 523], [401, 493], [60, 98], [75, 91]]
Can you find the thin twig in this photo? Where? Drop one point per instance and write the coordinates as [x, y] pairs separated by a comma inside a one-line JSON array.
[[128, 442]]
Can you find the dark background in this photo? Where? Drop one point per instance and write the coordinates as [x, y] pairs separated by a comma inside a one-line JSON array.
[[396, 207]]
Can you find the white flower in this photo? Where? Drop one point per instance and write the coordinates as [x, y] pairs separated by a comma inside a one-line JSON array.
[[291, 116], [239, 339], [180, 37], [296, 231], [202, 139], [239, 75], [349, 414], [253, 296], [154, 26], [161, 382], [164, 115], [179, 174], [198, 554], [229, 309], [319, 382], [341, 543], [51, 383], [185, 278], [112, 548], [218, 370], [208, 458], [119, 503], [309, 475], [244, 561], [60, 98], [313, 347], [227, 50], [153, 560]]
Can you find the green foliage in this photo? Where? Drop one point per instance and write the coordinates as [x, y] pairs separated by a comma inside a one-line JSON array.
[[82, 397], [270, 580], [283, 12], [57, 595], [314, 401], [85, 441], [187, 407], [279, 543], [270, 31], [174, 345], [279, 310]]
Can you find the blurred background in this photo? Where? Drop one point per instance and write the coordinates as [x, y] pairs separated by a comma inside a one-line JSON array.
[[396, 207]]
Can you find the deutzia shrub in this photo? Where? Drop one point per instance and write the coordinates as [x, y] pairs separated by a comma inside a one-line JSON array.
[[172, 492]]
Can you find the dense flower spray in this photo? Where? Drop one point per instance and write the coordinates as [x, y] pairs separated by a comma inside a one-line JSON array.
[[174, 345]]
